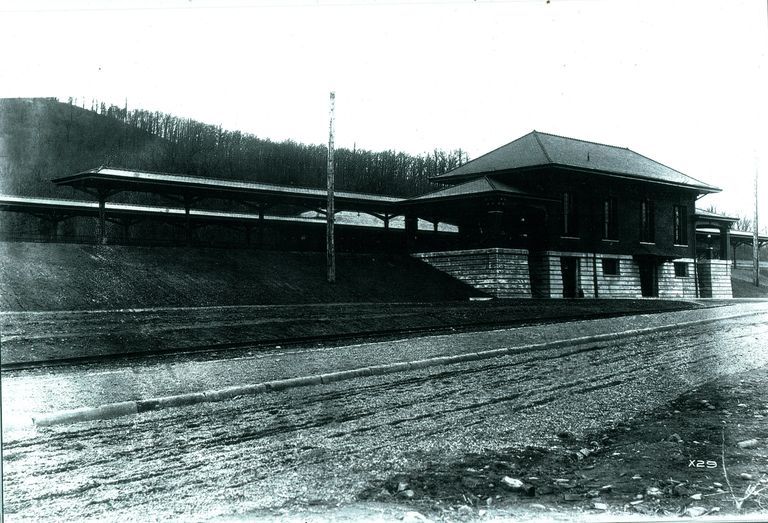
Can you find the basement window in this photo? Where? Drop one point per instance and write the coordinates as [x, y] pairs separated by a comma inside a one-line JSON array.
[[610, 266], [681, 269]]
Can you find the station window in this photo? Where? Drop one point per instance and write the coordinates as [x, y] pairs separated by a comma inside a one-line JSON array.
[[610, 266], [681, 269], [647, 225], [570, 217], [609, 219], [681, 225]]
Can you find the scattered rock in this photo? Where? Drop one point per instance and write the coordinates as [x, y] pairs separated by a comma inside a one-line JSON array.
[[402, 486], [470, 482], [681, 490], [537, 506], [600, 506], [747, 444], [465, 512], [572, 497], [694, 512], [711, 407], [637, 502], [654, 492], [606, 488], [565, 435], [412, 516], [407, 494], [696, 497], [675, 438], [518, 485], [638, 496], [746, 476], [718, 485], [592, 494], [512, 483], [637, 476]]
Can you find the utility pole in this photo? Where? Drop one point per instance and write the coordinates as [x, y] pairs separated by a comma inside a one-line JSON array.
[[755, 243], [330, 247]]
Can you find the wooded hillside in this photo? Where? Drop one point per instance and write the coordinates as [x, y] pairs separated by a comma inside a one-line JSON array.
[[41, 139]]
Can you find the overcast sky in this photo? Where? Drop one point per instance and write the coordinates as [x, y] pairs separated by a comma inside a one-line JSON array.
[[683, 82]]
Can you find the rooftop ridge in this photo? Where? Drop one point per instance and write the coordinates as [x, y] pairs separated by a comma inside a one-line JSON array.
[[489, 153], [586, 141], [535, 134]]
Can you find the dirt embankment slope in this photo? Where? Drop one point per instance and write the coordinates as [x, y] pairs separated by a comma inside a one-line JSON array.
[[46, 276]]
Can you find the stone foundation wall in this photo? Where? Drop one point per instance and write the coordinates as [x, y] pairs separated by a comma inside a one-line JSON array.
[[502, 273], [547, 276], [715, 279], [672, 286], [625, 284]]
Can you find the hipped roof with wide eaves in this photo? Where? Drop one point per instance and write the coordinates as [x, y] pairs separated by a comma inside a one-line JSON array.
[[537, 150]]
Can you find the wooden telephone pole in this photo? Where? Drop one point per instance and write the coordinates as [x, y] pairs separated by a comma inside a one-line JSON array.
[[330, 247]]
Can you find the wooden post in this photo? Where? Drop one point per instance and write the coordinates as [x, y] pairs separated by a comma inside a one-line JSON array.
[[187, 224], [102, 224], [260, 229], [330, 247], [755, 243]]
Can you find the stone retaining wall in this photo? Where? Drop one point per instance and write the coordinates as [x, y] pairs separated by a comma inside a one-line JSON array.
[[502, 273]]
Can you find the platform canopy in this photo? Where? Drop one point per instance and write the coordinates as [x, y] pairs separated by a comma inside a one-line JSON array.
[[58, 209], [107, 181], [460, 200]]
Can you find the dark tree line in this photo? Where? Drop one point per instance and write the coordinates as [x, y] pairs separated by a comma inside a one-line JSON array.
[[46, 138], [208, 150]]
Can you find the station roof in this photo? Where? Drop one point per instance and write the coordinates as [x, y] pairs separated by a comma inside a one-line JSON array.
[[477, 187], [117, 180], [537, 149]]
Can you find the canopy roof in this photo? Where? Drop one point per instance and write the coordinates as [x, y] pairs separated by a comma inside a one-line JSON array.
[[703, 215], [537, 149], [116, 180], [478, 187]]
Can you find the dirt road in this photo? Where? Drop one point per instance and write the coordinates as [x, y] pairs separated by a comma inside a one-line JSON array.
[[327, 445]]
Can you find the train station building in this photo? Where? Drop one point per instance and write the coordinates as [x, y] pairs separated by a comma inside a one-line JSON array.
[[543, 216]]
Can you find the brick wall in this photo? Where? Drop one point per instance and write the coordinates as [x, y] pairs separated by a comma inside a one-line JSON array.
[[502, 273]]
